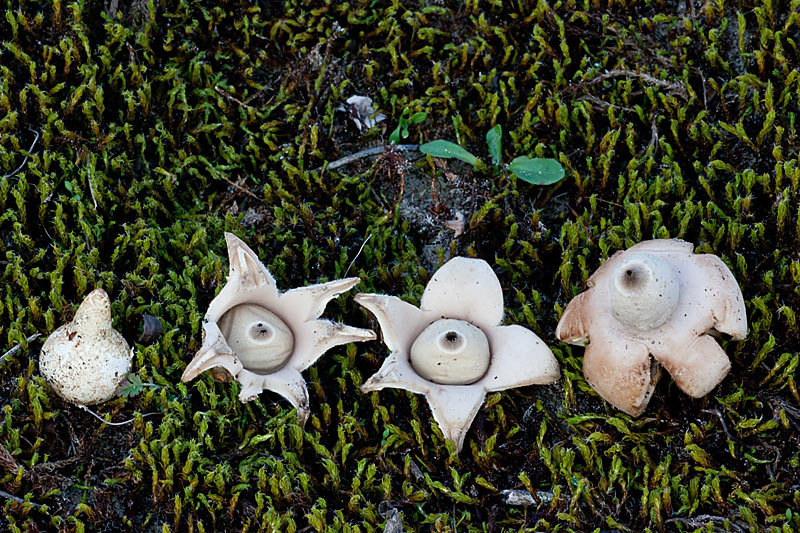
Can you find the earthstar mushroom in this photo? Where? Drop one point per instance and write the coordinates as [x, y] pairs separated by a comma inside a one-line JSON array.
[[264, 338], [84, 361], [655, 305], [452, 348]]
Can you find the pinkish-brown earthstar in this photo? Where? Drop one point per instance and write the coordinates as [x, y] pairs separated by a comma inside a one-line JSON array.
[[264, 338], [655, 305], [452, 348]]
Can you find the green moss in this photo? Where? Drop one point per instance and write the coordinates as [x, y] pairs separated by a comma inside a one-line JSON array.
[[142, 135]]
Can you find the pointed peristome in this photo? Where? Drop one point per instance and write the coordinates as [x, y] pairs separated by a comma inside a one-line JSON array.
[[94, 312]]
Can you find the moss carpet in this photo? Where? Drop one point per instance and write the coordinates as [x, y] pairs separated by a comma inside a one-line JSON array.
[[133, 134]]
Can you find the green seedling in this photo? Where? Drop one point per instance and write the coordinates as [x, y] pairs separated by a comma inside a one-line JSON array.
[[72, 189], [406, 119], [537, 170], [132, 386]]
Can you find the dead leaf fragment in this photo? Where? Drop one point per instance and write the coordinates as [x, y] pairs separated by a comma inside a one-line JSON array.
[[394, 522], [523, 497], [456, 224], [362, 112]]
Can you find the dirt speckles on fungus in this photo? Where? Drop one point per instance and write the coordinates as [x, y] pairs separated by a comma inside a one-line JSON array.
[[615, 310]]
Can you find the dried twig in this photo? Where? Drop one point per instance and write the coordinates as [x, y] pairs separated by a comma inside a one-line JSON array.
[[367, 153], [609, 202], [33, 144], [14, 349], [625, 73], [721, 421], [772, 468], [91, 187], [602, 103], [357, 254], [51, 466], [226, 94], [653, 138], [242, 188], [703, 520], [17, 499], [692, 13], [789, 410], [653, 135], [705, 92]]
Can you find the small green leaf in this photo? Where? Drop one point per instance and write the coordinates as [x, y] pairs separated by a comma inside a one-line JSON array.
[[539, 171], [130, 386], [418, 117], [394, 137], [447, 150], [494, 139]]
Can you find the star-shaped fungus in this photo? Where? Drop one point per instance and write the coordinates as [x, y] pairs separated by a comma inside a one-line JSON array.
[[453, 349], [655, 305], [265, 338]]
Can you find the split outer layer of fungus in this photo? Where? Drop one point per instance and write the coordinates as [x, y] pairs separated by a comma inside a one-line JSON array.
[[656, 305], [264, 338], [452, 348]]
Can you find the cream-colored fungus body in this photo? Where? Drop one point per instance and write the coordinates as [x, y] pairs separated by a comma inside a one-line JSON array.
[[453, 349], [265, 338], [84, 361], [451, 352], [262, 341], [644, 291]]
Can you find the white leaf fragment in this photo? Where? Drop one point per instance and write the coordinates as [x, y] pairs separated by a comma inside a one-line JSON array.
[[362, 112], [523, 498]]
